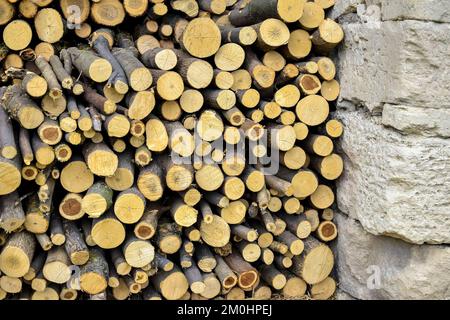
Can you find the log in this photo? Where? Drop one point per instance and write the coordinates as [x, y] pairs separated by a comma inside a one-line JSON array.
[[201, 38], [139, 77], [324, 289], [17, 254], [94, 274], [205, 258], [129, 206], [135, 8], [195, 279], [160, 58], [258, 10], [212, 286], [295, 286], [107, 231], [21, 108], [247, 275], [75, 245], [7, 12], [57, 235], [150, 182], [172, 285], [121, 266], [44, 241], [327, 36], [189, 7], [70, 207], [216, 233], [17, 35], [108, 13], [36, 86], [308, 266], [97, 69], [56, 268], [138, 253], [168, 237], [12, 215], [98, 101], [326, 231], [100, 159], [10, 284]]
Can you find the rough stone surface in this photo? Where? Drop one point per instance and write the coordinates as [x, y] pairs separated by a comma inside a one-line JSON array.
[[394, 72], [394, 184], [430, 10], [425, 10], [404, 63], [342, 295], [416, 120], [378, 267], [346, 7]]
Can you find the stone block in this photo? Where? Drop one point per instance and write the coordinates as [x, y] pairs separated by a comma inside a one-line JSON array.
[[394, 184], [392, 62], [378, 267], [416, 120]]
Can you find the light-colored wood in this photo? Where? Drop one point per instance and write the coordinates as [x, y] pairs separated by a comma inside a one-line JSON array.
[[83, 6], [129, 206], [201, 38], [171, 211], [324, 289], [334, 128], [17, 253], [138, 253], [17, 35], [313, 15], [274, 60], [330, 90], [234, 213], [209, 177], [326, 231], [258, 10], [308, 84], [70, 207], [229, 57], [107, 232], [299, 45], [216, 233], [6, 12], [326, 68], [56, 268], [312, 110], [327, 36], [94, 274], [323, 197], [108, 12], [172, 285], [49, 25], [295, 286], [315, 264]]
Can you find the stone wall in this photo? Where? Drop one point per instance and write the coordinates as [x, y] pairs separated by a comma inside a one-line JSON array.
[[394, 69]]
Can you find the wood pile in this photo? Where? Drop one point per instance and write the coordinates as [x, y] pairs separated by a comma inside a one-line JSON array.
[[180, 149]]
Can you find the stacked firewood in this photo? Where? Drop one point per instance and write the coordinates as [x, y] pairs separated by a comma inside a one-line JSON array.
[[177, 149]]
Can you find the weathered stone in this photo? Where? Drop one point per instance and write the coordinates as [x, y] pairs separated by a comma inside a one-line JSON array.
[[342, 295], [431, 10], [416, 120], [425, 10], [394, 184], [359, 7], [394, 62], [378, 267]]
